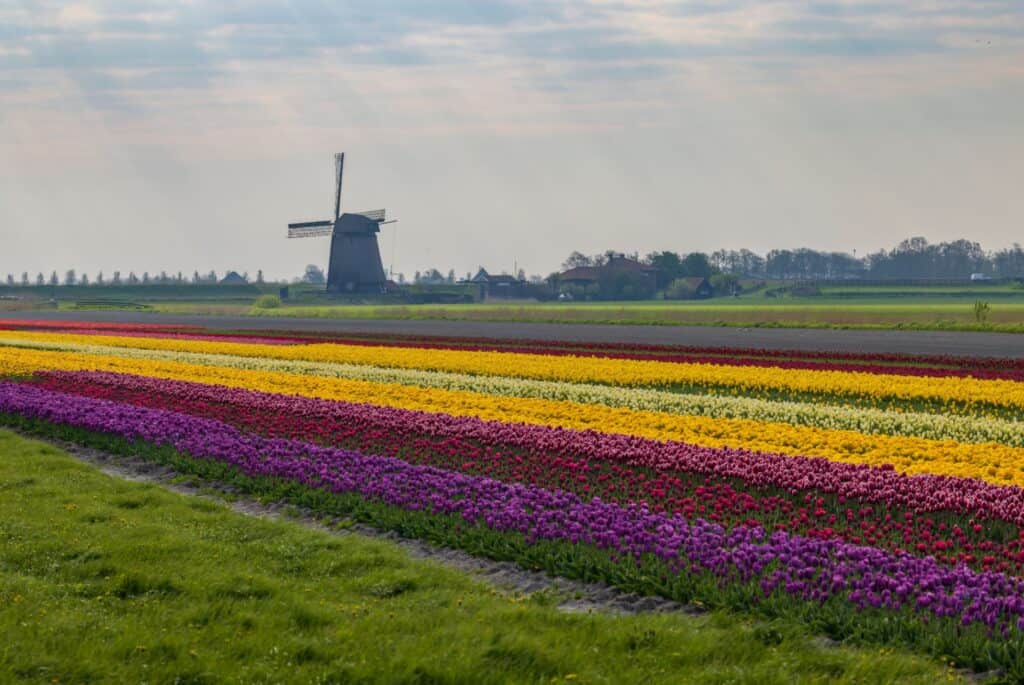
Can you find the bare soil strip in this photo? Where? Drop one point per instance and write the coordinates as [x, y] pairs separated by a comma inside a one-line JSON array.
[[873, 341]]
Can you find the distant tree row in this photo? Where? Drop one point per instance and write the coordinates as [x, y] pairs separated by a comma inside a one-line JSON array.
[[71, 277], [911, 258]]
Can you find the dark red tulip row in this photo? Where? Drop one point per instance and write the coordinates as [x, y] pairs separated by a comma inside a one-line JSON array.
[[607, 349], [911, 366], [813, 497]]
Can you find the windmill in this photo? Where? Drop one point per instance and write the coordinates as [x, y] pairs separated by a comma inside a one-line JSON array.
[[355, 264]]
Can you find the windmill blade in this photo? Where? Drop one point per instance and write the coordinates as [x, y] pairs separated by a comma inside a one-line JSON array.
[[339, 170], [373, 214], [310, 229]]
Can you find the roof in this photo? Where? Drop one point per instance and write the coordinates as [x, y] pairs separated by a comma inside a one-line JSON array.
[[614, 264], [581, 273], [232, 278], [694, 282], [483, 277]]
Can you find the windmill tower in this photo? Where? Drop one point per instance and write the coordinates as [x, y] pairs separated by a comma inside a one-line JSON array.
[[355, 264]]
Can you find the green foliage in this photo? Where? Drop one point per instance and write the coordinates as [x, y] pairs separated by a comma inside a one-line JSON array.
[[725, 284], [177, 589], [981, 310], [679, 289], [267, 302]]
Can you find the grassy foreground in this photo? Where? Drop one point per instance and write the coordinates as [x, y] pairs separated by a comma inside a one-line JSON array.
[[106, 580]]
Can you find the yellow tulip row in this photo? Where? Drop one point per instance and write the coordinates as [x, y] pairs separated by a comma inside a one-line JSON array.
[[623, 372], [989, 461]]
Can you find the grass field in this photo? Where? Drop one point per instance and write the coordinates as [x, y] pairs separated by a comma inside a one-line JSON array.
[[114, 581], [823, 312], [865, 307]]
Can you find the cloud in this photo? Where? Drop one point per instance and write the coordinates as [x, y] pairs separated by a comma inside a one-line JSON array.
[[434, 64]]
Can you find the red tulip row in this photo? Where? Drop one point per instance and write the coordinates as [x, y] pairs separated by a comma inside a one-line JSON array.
[[112, 327], [862, 505], [609, 349]]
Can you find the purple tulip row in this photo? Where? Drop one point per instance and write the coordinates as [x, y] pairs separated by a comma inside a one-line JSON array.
[[811, 570], [923, 493]]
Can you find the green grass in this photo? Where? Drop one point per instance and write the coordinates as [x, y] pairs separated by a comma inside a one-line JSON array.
[[103, 580], [840, 313]]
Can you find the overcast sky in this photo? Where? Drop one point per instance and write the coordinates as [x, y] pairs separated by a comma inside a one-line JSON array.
[[186, 135]]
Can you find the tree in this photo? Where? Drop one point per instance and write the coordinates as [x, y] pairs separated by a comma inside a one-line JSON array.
[[696, 264], [40, 279], [69, 277], [577, 259], [668, 264], [725, 284], [24, 278], [521, 275], [740, 262], [84, 280], [180, 278], [99, 278], [54, 280], [116, 279], [314, 275], [401, 278], [1009, 263], [451, 276], [145, 278], [132, 278], [259, 276], [679, 289], [211, 277], [10, 280]]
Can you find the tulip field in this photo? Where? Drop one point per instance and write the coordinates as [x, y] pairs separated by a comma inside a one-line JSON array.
[[877, 498]]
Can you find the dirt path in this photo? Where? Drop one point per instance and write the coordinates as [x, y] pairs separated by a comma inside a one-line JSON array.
[[873, 341]]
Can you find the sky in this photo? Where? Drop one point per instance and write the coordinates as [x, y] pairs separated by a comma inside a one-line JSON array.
[[173, 136]]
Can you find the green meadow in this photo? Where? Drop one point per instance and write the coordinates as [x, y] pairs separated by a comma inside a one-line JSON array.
[[106, 580]]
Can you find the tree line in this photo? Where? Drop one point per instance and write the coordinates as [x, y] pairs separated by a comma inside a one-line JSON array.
[[72, 277], [913, 258]]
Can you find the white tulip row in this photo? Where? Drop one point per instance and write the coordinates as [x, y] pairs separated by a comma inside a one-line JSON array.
[[863, 420]]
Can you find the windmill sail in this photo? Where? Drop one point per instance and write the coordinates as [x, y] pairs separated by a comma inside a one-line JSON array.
[[310, 229], [339, 170]]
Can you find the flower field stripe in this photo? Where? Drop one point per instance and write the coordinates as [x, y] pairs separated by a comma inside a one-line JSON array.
[[950, 392], [511, 347], [391, 431], [995, 463], [802, 569], [994, 364], [966, 429], [553, 458]]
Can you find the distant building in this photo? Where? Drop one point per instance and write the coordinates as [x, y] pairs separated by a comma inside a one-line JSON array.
[[233, 278], [498, 285], [699, 286], [618, 276]]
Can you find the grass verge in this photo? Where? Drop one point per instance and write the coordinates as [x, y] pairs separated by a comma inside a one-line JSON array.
[[107, 580], [833, 314]]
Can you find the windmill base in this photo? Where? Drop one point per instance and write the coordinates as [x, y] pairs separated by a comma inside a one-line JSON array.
[[355, 265]]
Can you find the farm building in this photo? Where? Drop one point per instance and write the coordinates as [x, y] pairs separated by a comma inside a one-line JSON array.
[[498, 285], [619, 276], [692, 288]]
